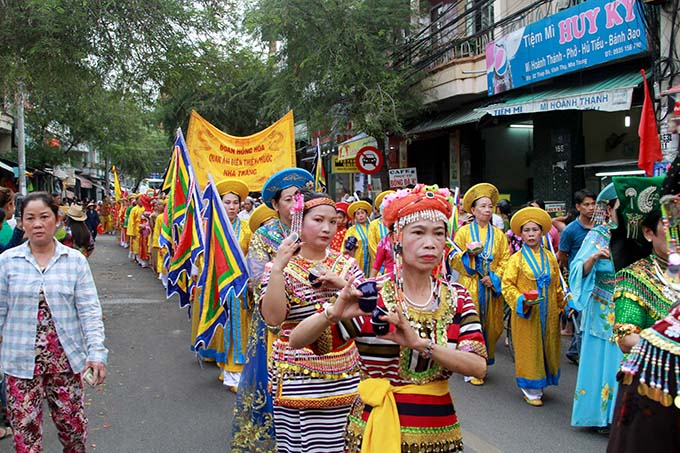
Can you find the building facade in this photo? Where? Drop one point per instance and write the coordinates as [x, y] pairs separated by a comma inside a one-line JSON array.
[[540, 98]]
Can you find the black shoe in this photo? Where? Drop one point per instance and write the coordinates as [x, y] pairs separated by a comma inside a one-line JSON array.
[[573, 358]]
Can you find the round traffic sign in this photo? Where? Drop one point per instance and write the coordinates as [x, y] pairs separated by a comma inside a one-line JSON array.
[[369, 160]]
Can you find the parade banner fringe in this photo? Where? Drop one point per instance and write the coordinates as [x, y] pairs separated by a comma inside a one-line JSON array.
[[252, 159]]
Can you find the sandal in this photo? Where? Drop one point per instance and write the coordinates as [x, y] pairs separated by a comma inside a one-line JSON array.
[[5, 431]]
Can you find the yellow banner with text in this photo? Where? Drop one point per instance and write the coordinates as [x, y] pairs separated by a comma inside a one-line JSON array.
[[252, 159]]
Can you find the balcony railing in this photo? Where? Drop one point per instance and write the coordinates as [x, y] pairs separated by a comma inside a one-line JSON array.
[[450, 37]]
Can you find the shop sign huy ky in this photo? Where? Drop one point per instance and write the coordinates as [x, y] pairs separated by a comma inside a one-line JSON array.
[[585, 35]]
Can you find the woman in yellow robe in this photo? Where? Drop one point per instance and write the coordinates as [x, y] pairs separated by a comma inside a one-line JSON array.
[[480, 271], [160, 252], [133, 227], [358, 211], [532, 289]]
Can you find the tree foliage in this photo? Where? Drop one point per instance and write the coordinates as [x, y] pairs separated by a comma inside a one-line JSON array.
[[226, 85], [92, 69], [335, 61]]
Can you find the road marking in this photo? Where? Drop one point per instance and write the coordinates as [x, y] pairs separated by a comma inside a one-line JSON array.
[[478, 444], [129, 301]]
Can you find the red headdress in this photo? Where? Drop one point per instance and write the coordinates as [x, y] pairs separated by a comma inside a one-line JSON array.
[[412, 205], [422, 202]]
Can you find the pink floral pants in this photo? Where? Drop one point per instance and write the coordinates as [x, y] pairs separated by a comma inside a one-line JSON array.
[[64, 394]]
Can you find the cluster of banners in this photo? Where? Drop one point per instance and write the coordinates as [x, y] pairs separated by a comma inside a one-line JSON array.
[[196, 232]]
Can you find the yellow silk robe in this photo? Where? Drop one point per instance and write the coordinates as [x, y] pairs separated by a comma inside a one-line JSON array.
[[155, 244], [133, 228], [362, 254], [492, 317], [376, 234], [537, 355]]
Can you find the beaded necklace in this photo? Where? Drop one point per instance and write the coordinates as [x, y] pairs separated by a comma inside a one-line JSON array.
[[542, 276], [487, 253], [670, 289], [432, 323], [652, 359], [301, 290], [422, 305], [363, 235]]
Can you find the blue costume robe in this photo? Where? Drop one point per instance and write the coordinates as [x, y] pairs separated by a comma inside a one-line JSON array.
[[253, 423], [596, 384]]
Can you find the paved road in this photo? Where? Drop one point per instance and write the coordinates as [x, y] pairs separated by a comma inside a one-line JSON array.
[[158, 399]]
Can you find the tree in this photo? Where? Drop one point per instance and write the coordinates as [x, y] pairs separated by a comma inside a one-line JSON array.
[[226, 84], [335, 62], [91, 69]]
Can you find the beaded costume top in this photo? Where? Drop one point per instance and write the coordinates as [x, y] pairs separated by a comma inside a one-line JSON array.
[[640, 296]]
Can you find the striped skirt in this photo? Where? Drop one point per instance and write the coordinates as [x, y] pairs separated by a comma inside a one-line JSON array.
[[312, 397], [309, 416], [310, 430], [428, 424]]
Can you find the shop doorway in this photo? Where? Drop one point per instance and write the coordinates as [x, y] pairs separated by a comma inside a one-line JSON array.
[[431, 158]]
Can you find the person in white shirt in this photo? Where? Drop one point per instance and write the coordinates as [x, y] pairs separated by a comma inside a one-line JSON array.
[[248, 206]]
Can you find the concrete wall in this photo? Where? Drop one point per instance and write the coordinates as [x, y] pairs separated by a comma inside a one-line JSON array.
[[460, 77]]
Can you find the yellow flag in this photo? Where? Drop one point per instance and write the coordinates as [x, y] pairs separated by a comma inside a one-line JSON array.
[[116, 183], [252, 159]]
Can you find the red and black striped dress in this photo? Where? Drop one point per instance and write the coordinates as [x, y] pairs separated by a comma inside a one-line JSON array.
[[313, 387], [428, 423]]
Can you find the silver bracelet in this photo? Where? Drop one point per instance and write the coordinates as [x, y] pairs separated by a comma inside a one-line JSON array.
[[325, 313], [429, 349]]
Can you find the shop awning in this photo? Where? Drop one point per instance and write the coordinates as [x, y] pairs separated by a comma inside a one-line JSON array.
[[350, 148], [611, 94], [4, 166], [451, 119], [84, 182]]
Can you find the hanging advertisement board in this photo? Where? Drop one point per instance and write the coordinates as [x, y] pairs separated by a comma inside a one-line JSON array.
[[585, 35]]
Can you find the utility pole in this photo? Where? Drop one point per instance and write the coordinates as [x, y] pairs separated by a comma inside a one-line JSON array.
[[21, 143], [107, 163]]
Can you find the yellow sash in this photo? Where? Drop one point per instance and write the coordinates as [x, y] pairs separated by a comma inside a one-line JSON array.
[[379, 394]]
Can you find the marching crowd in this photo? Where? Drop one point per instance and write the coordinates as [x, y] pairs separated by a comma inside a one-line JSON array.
[[358, 311]]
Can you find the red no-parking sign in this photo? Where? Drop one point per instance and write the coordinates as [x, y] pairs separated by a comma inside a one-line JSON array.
[[369, 160]]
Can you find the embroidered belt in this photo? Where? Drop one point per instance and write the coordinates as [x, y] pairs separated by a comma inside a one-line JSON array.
[[337, 364]]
